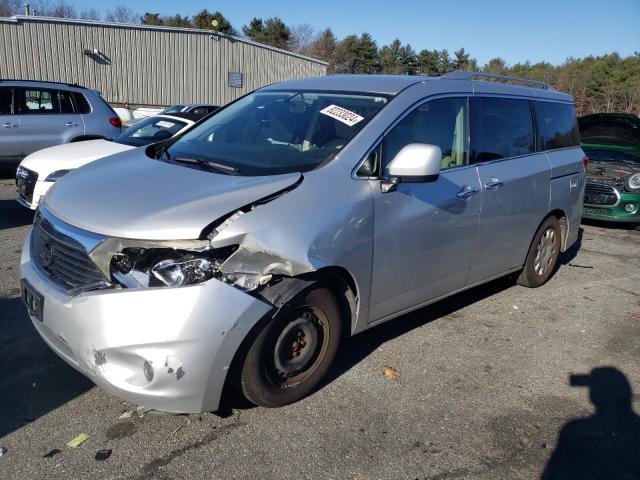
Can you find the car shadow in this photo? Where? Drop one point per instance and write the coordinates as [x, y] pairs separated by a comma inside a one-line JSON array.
[[570, 253], [12, 214], [610, 225], [354, 349], [34, 380], [606, 444]]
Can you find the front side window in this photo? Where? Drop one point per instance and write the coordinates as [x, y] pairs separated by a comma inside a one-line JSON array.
[[275, 132], [501, 128], [6, 101], [34, 101], [557, 125], [441, 122], [150, 130]]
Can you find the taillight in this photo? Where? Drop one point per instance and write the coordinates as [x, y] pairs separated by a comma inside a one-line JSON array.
[[115, 121], [585, 160]]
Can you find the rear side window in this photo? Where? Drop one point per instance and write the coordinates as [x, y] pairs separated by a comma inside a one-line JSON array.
[[6, 101], [501, 128], [557, 125], [66, 104], [82, 106], [36, 101]]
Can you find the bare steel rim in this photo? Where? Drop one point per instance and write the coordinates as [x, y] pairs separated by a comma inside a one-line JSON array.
[[299, 346], [545, 252]]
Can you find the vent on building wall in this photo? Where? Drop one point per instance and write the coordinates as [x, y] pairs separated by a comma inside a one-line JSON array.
[[235, 79]]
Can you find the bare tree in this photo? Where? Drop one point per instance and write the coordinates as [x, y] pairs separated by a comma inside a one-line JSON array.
[[10, 7], [302, 36], [49, 8], [90, 14], [122, 14]]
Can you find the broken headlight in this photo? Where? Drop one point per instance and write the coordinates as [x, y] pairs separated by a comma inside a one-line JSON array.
[[159, 267]]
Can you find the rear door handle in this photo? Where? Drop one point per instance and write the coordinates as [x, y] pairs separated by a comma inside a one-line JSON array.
[[71, 124], [9, 125], [493, 184], [467, 191]]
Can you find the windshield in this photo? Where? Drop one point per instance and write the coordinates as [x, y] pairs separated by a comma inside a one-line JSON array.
[[174, 109], [623, 130], [268, 133], [150, 130]]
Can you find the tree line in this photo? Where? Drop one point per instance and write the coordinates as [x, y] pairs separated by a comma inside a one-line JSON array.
[[607, 83]]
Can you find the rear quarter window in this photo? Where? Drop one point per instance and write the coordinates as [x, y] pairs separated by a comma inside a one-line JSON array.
[[557, 125], [500, 128], [81, 103]]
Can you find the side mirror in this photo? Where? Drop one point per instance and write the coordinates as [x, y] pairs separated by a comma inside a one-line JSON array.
[[416, 162]]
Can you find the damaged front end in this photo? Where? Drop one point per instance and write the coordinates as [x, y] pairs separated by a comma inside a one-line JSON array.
[[163, 263]]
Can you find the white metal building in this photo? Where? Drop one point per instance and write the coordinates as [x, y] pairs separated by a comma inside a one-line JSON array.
[[144, 65]]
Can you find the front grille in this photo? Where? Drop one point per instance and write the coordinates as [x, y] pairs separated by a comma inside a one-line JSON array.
[[597, 210], [600, 194], [62, 258], [25, 182]]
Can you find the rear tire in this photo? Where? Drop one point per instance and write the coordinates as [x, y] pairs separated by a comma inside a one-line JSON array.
[[291, 354], [543, 255]]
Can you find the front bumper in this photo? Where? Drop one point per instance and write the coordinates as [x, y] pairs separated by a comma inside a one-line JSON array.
[[183, 338], [615, 213]]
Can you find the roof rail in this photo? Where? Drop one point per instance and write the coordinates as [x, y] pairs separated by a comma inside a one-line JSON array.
[[75, 85], [462, 75]]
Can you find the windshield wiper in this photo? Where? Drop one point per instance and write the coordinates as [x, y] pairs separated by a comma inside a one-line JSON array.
[[207, 164]]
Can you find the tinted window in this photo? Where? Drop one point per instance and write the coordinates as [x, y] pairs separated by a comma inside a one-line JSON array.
[[438, 122], [81, 104], [610, 129], [150, 130], [66, 104], [557, 126], [6, 101], [174, 109], [501, 128]]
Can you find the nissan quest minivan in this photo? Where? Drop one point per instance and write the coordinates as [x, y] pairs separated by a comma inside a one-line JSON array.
[[243, 250]]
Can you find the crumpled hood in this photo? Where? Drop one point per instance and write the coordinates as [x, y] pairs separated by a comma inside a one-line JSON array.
[[130, 195], [70, 155]]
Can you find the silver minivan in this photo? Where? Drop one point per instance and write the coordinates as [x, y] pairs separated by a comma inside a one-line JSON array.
[[36, 115], [306, 211]]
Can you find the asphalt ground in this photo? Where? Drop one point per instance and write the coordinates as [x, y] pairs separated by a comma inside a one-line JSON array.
[[483, 390]]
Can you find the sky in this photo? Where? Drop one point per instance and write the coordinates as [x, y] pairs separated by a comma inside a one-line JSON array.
[[516, 30]]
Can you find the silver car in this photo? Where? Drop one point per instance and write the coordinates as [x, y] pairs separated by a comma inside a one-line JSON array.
[[36, 115], [245, 249]]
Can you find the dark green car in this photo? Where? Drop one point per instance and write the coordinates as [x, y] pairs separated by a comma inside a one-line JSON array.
[[611, 141]]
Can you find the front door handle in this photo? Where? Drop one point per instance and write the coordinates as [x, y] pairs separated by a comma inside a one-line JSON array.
[[493, 183], [9, 125], [71, 124], [467, 191]]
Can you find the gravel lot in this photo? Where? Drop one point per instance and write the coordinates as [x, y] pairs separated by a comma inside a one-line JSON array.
[[483, 390]]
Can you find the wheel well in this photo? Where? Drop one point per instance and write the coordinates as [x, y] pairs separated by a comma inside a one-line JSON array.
[[564, 225]]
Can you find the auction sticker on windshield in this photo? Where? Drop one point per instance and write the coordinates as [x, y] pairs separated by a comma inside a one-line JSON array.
[[165, 124], [342, 115]]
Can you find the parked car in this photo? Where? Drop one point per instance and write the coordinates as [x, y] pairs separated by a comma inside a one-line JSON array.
[[40, 170], [198, 110], [309, 210], [612, 143], [36, 115]]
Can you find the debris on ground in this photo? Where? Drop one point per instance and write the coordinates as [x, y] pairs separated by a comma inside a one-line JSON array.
[[390, 372], [126, 414], [181, 427], [634, 315], [140, 411], [74, 442], [102, 455], [515, 307], [579, 266], [53, 452], [3, 450]]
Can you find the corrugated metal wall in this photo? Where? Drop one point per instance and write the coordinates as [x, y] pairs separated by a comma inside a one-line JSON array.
[[142, 65]]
